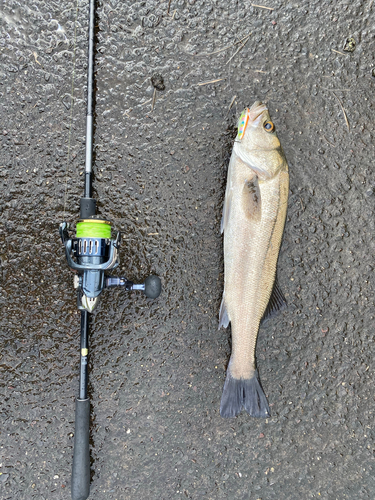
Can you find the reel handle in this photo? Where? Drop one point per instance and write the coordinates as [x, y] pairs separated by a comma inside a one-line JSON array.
[[151, 287]]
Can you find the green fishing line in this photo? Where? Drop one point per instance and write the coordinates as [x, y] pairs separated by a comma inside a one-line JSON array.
[[93, 230]]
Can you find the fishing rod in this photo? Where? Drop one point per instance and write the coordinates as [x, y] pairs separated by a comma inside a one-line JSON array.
[[91, 253]]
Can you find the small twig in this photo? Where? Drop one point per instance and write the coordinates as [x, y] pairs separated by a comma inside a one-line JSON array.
[[259, 71], [338, 90], [146, 102], [231, 104], [225, 48], [303, 208], [237, 51], [328, 141], [262, 6], [343, 110], [337, 52], [211, 81], [153, 100], [242, 43], [36, 59], [169, 5]]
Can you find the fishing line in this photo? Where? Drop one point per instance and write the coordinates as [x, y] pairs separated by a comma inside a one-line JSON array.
[[72, 106], [93, 229]]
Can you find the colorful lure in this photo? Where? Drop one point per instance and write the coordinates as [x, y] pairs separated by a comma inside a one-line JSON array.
[[242, 123]]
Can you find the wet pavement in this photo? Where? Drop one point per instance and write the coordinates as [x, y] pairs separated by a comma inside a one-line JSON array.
[[157, 367]]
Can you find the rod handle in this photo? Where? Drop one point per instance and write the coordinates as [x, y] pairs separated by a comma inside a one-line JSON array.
[[81, 455]]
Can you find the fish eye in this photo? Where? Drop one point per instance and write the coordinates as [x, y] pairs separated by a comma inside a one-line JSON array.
[[269, 127]]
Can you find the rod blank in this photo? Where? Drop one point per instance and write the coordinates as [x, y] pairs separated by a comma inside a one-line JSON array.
[[90, 97]]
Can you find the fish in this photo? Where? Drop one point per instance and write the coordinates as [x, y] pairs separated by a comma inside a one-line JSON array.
[[254, 214]]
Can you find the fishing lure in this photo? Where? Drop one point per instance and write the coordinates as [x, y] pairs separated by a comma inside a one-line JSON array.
[[242, 123]]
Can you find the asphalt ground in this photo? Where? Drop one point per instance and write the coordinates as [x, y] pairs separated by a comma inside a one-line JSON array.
[[157, 368]]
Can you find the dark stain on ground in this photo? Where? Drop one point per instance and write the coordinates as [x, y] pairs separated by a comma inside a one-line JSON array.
[[158, 82], [157, 368]]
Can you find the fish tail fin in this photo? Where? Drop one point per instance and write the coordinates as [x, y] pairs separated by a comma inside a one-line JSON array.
[[247, 393]]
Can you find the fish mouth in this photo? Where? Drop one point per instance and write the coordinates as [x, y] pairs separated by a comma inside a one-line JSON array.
[[256, 110]]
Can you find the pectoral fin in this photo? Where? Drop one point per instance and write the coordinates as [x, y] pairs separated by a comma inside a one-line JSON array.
[[251, 199]]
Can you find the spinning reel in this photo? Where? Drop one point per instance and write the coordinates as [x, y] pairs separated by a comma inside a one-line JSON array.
[[91, 253]]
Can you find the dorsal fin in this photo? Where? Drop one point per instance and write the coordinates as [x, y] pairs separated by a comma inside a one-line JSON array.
[[276, 303]]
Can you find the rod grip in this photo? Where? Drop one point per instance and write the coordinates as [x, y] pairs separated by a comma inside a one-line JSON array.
[[81, 455]]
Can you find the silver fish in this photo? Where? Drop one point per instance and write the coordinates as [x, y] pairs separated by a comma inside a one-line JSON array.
[[253, 221]]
